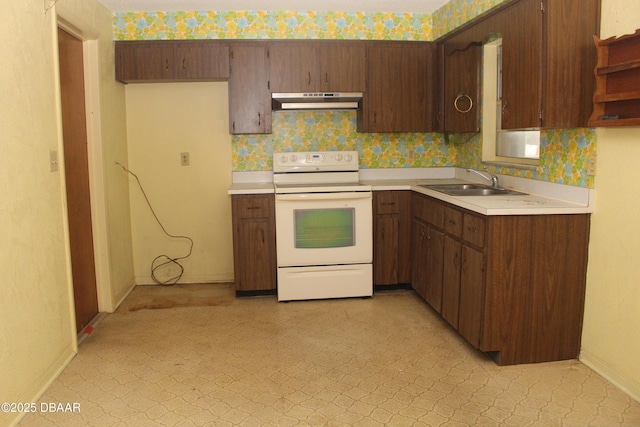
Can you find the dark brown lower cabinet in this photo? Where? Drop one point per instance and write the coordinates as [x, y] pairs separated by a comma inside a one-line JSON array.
[[391, 238], [512, 286], [254, 243]]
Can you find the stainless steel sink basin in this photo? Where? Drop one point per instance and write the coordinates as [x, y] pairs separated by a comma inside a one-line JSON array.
[[471, 190]]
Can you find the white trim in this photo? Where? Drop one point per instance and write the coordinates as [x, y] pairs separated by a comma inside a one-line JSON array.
[[611, 374]]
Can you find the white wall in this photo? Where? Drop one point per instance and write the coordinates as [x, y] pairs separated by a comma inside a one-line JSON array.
[[164, 120], [611, 336], [37, 326]]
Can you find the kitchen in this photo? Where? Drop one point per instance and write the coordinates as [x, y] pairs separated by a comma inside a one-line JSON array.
[[37, 266]]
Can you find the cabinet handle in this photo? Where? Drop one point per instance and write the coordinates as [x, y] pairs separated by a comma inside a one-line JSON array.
[[184, 63], [259, 119], [309, 78], [166, 64], [472, 229], [326, 78], [252, 208], [458, 98], [504, 109], [452, 222], [389, 204], [262, 235]]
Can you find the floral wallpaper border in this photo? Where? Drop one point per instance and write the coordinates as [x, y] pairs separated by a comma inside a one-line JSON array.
[[271, 25]]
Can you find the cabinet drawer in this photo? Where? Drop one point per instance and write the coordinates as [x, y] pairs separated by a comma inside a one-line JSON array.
[[247, 207], [386, 202], [473, 229], [453, 221], [428, 210]]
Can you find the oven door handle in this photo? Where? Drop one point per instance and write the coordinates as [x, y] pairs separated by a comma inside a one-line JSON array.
[[324, 196]]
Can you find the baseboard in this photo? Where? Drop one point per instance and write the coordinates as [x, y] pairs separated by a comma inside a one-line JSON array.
[[34, 393], [615, 377], [188, 279]]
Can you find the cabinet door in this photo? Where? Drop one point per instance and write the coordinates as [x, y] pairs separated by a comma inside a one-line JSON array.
[[392, 234], [385, 250], [451, 281], [294, 67], [202, 60], [570, 59], [140, 62], [342, 67], [254, 242], [435, 268], [249, 97], [386, 237], [419, 250], [462, 89], [471, 295], [400, 94], [522, 65]]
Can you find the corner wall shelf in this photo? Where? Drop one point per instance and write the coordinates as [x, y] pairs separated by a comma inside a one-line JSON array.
[[616, 101]]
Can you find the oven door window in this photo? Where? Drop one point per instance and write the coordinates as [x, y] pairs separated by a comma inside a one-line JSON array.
[[324, 228]]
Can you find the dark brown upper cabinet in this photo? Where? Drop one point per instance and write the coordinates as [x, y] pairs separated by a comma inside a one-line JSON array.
[[171, 61], [547, 59], [462, 93], [249, 96], [313, 66], [548, 62], [401, 95]]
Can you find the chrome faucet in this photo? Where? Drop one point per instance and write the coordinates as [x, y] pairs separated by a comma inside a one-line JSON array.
[[493, 179]]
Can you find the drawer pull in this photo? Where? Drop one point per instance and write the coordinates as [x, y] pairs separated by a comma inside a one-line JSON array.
[[252, 208]]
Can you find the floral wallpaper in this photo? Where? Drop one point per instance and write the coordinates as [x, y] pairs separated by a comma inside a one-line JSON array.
[[563, 156], [563, 151], [336, 130]]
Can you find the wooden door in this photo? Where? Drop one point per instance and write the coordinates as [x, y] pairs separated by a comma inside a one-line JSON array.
[[77, 178]]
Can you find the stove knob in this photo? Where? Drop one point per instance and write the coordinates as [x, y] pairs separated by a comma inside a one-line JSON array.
[[293, 158], [348, 158], [283, 159], [339, 157]]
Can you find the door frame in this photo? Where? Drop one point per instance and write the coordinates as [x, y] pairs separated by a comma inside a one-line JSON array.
[[83, 31]]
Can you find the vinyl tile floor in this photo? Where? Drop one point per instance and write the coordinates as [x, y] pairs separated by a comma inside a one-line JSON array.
[[384, 361]]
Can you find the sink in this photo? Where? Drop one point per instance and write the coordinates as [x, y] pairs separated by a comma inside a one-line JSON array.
[[471, 190]]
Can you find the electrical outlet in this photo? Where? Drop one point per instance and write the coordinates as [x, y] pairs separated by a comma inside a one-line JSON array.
[[184, 158], [591, 165]]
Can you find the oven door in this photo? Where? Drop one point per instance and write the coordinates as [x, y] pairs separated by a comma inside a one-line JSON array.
[[315, 229]]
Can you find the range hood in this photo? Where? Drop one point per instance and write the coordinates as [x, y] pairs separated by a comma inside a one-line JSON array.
[[316, 101]]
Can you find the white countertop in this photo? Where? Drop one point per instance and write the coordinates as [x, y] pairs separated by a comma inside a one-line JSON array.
[[542, 198]]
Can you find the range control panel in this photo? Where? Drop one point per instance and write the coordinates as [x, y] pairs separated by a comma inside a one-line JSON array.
[[315, 161]]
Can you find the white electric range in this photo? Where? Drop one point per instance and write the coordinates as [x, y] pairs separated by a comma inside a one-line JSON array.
[[324, 226]]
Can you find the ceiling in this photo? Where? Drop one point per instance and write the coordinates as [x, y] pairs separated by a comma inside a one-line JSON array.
[[409, 6]]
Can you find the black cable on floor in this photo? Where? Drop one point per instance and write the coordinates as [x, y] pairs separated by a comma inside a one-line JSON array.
[[162, 260]]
